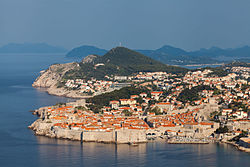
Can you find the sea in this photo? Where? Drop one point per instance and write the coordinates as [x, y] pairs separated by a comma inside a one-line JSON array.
[[19, 147]]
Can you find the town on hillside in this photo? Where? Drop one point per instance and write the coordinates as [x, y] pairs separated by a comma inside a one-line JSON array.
[[201, 106]]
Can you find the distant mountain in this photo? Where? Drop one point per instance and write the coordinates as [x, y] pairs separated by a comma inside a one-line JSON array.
[[119, 61], [231, 52], [167, 54], [176, 56], [31, 48], [85, 50]]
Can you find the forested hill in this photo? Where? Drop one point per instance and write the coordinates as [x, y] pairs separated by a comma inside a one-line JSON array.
[[120, 61], [122, 56]]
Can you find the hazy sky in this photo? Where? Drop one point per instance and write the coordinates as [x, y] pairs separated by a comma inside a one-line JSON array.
[[142, 24]]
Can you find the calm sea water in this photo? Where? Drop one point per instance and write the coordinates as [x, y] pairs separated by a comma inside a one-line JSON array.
[[19, 147]]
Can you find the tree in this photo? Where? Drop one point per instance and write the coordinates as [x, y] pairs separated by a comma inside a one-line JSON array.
[[156, 110], [190, 95], [222, 130], [127, 113], [124, 93], [139, 100]]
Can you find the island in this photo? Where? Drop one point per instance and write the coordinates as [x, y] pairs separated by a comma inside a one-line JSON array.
[[126, 97]]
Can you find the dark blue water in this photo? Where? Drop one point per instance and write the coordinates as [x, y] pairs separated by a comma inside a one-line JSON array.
[[19, 147]]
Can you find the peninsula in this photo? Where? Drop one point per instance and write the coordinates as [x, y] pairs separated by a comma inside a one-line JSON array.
[[98, 74], [133, 99]]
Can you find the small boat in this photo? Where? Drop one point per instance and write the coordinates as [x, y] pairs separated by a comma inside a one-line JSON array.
[[133, 144]]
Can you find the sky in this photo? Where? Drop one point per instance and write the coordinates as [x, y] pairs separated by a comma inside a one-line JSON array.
[[137, 24]]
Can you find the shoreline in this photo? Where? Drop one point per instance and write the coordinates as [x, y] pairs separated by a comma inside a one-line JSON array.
[[62, 126], [125, 136], [61, 92], [73, 137], [88, 141], [237, 146], [46, 89], [68, 136]]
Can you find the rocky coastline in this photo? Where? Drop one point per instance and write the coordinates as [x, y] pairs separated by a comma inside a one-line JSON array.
[[43, 128], [62, 92], [48, 81], [71, 124]]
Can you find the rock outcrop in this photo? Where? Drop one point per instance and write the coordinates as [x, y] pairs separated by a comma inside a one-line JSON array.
[[41, 127], [89, 59], [51, 76], [54, 90], [45, 128]]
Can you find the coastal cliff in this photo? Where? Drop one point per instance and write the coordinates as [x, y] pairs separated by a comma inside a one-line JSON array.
[[50, 78], [45, 128], [53, 74]]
